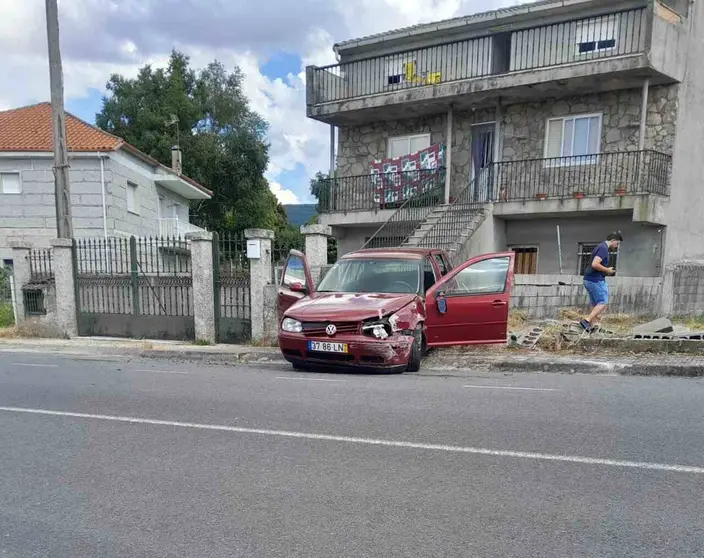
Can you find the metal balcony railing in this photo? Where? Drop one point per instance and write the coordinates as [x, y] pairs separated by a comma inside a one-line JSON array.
[[606, 174], [370, 192], [580, 40]]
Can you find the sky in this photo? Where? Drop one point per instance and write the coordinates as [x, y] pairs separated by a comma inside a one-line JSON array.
[[272, 42]]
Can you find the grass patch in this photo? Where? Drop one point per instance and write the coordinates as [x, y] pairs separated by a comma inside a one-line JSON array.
[[264, 342], [695, 323], [7, 316], [201, 342]]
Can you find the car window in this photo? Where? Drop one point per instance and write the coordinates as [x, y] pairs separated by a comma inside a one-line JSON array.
[[294, 272], [442, 266], [372, 276], [428, 274], [483, 277]]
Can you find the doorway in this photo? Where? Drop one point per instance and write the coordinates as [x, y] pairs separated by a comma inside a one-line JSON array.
[[481, 149]]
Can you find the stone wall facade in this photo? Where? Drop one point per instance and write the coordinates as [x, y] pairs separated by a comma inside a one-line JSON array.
[[523, 129]]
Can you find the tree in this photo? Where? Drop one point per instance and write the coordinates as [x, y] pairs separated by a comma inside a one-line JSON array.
[[222, 139], [320, 190]]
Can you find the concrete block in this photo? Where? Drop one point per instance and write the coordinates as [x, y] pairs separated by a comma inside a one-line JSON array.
[[23, 222], [88, 211], [91, 176], [91, 199], [40, 211], [11, 210], [37, 176], [661, 325], [85, 188]]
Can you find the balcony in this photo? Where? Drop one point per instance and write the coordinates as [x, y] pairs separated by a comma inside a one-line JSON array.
[[602, 52], [176, 228], [618, 182]]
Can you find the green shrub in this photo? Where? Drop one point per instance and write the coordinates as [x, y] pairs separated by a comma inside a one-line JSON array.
[[7, 317]]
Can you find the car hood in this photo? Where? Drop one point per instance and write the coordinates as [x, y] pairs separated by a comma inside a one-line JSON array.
[[347, 307]]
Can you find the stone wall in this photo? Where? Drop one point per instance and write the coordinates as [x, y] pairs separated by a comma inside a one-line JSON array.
[[525, 124], [542, 296], [687, 289]]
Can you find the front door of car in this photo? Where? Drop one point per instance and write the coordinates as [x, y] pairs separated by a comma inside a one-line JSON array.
[[295, 282], [470, 304]]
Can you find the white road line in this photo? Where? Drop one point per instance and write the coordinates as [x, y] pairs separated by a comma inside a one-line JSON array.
[[34, 365], [162, 371], [511, 387], [308, 379], [371, 442]]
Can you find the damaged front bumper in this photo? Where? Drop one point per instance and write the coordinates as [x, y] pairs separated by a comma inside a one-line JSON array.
[[362, 351]]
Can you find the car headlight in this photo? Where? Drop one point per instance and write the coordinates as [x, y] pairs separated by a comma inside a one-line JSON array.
[[380, 328], [291, 325]]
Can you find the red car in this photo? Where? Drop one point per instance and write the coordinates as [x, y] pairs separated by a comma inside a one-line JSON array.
[[382, 308]]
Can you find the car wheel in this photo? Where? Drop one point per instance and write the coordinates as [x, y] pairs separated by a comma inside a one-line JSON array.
[[416, 351], [297, 366]]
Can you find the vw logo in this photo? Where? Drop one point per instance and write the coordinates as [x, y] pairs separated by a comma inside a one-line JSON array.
[[331, 330]]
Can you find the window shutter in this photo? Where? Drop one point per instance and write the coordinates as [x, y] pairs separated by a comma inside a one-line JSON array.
[[568, 138], [594, 134], [10, 183], [553, 147]]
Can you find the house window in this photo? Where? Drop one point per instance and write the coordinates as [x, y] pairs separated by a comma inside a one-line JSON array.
[[132, 198], [597, 35], [584, 256], [526, 262], [573, 136], [405, 145], [10, 183]]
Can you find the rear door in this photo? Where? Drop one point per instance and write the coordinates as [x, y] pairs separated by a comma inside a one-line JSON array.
[[296, 282], [470, 304]]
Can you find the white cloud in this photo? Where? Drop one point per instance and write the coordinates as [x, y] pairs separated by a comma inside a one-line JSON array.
[[285, 197], [100, 38]]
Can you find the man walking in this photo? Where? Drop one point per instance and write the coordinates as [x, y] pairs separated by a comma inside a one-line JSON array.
[[595, 279]]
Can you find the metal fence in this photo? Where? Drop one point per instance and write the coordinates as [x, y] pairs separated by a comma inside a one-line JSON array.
[[371, 192], [232, 293], [605, 174], [40, 265], [135, 287], [579, 40]]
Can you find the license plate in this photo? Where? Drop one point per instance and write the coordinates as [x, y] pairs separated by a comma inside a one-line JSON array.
[[327, 347]]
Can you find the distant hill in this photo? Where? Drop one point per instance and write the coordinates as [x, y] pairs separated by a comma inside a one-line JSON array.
[[299, 214]]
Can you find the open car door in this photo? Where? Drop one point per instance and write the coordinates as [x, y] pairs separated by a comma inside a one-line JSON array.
[[295, 283], [470, 304]]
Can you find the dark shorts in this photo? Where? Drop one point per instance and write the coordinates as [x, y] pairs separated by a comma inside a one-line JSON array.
[[598, 292]]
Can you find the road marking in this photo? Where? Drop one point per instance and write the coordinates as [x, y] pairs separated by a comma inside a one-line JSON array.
[[511, 387], [34, 365], [308, 379], [370, 441], [163, 371]]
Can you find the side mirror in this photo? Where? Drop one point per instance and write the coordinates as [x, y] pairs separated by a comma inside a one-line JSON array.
[[441, 302], [297, 288]]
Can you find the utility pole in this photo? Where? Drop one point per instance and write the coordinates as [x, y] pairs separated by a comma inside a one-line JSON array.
[[62, 187]]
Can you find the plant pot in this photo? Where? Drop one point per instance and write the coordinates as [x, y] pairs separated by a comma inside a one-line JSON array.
[[620, 192], [541, 197], [578, 195]]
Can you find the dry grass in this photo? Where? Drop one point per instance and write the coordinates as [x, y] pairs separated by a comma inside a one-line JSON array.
[[264, 342], [32, 330], [695, 323], [516, 320]]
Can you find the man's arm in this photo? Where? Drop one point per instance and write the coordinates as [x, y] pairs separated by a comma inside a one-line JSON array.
[[596, 265]]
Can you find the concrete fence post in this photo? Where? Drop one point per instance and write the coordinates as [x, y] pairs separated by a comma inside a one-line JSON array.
[[203, 285], [259, 243], [316, 237], [65, 284], [21, 273]]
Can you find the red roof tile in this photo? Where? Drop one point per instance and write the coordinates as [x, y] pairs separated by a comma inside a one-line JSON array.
[[29, 129]]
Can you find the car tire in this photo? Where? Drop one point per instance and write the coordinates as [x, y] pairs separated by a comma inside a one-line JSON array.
[[416, 350]]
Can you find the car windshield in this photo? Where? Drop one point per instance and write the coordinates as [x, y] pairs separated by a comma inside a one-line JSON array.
[[372, 276]]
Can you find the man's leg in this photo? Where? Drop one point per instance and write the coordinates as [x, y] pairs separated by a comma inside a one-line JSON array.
[[598, 299], [597, 311]]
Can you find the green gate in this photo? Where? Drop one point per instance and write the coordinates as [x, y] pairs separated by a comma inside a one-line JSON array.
[[231, 288], [137, 287]]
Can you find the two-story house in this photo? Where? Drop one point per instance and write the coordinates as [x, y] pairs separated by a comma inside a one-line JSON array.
[[540, 128], [116, 190]]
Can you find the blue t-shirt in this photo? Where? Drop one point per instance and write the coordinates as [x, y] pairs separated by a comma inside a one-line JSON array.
[[601, 251]]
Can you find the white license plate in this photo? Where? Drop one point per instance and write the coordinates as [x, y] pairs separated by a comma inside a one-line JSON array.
[[327, 347]]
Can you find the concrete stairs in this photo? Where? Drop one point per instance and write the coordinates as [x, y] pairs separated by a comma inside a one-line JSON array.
[[448, 227]]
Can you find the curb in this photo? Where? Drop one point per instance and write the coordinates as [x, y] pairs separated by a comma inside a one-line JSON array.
[[460, 367]]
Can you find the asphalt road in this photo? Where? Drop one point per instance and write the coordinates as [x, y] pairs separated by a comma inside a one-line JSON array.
[[148, 458]]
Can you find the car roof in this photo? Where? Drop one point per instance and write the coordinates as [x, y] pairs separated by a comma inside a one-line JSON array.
[[391, 253]]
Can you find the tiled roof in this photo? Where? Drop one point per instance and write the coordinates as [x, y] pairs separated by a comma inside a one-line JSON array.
[[29, 129], [490, 16]]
